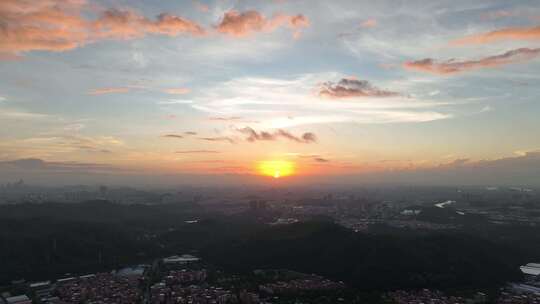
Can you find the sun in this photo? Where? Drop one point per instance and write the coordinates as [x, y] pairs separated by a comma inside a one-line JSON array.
[[276, 168]]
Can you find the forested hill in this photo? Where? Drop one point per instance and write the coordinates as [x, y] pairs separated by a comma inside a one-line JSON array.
[[45, 241]]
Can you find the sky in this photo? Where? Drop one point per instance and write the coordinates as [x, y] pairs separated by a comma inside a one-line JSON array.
[[387, 90]]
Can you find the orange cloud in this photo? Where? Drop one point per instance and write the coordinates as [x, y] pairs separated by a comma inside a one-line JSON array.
[[452, 67], [347, 88], [178, 91], [247, 23], [102, 91], [56, 25], [514, 33]]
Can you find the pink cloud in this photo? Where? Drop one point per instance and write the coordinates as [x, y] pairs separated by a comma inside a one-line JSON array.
[[102, 91], [452, 66], [55, 25], [515, 33], [242, 24]]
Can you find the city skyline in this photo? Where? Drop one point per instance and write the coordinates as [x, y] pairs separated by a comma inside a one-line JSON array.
[[392, 91]]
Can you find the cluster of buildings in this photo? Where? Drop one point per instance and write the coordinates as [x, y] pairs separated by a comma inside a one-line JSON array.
[[189, 286], [518, 298], [308, 284], [178, 277], [163, 293], [427, 296], [100, 288]]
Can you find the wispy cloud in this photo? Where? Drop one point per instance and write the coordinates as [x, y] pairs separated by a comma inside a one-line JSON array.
[[23, 115], [231, 118], [452, 66], [321, 160], [177, 91], [218, 139], [198, 152], [285, 103], [177, 136], [67, 143], [242, 24], [175, 101], [36, 164], [347, 88]]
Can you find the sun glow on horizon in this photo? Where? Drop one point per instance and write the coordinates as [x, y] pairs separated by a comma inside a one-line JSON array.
[[276, 168]]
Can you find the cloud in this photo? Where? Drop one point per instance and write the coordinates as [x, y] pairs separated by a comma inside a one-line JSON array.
[[347, 88], [198, 152], [369, 23], [456, 163], [231, 118], [321, 160], [190, 133], [497, 14], [177, 91], [513, 33], [253, 136], [63, 143], [74, 127], [452, 66], [124, 24], [102, 91], [201, 6], [218, 138], [172, 136], [314, 157], [56, 25], [273, 101], [175, 101], [242, 24]]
